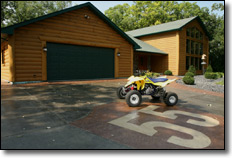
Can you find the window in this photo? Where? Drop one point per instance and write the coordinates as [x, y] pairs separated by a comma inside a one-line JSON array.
[[188, 31], [192, 47], [201, 48], [192, 61], [187, 62], [193, 32], [197, 34], [196, 63], [201, 36], [200, 66], [197, 48], [188, 46]]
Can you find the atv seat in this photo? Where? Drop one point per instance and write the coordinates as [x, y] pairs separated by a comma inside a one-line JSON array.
[[158, 80]]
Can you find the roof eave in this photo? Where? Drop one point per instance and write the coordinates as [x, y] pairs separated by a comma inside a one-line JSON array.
[[149, 34], [10, 29], [179, 29], [144, 51]]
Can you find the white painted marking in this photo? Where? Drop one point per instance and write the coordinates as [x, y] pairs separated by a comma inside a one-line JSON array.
[[171, 114], [199, 140]]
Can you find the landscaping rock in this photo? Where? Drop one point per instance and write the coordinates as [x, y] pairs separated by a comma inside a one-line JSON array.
[[206, 84]]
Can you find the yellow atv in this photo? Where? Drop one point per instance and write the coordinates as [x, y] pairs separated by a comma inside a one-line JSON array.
[[138, 86]]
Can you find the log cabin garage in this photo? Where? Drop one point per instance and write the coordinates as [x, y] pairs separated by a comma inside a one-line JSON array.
[[75, 43]]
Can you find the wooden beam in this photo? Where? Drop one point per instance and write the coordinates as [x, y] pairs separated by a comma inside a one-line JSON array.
[[132, 59], [44, 61], [177, 53], [116, 66], [77, 42], [11, 49]]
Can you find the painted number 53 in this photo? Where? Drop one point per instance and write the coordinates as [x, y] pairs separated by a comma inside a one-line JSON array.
[[199, 140]]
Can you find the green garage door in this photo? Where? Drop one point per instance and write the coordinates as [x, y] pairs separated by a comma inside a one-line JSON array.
[[71, 62]]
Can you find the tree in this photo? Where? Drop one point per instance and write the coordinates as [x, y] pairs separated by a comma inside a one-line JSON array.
[[18, 11], [147, 13]]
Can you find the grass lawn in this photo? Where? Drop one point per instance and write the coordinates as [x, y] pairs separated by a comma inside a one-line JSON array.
[[221, 82]]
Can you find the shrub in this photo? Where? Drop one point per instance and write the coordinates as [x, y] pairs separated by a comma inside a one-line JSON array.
[[192, 69], [209, 68], [211, 75], [188, 80], [168, 72], [220, 74], [148, 74], [152, 74], [189, 74]]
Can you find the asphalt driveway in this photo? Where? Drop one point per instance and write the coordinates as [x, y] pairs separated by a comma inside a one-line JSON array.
[[48, 116]]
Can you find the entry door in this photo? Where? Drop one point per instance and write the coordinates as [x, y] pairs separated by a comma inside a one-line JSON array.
[[142, 62]]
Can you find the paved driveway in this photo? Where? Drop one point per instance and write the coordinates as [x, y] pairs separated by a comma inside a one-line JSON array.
[[82, 115]]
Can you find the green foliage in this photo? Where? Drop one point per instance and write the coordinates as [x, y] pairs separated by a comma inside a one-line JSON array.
[[211, 75], [168, 72], [13, 12], [188, 80], [192, 69], [189, 74], [152, 74], [209, 69], [147, 13], [220, 74]]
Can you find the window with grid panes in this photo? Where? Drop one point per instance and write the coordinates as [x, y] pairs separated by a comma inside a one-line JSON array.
[[194, 47], [196, 63]]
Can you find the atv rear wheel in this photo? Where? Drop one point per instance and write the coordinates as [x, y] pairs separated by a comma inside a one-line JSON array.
[[120, 93], [133, 98], [171, 99]]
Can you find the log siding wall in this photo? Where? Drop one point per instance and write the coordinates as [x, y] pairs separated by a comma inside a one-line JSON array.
[[70, 28], [166, 42], [174, 43], [5, 68]]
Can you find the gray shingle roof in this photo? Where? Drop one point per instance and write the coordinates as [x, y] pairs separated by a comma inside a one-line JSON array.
[[147, 48], [165, 27]]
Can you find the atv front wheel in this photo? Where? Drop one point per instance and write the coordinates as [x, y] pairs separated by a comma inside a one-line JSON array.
[[120, 93], [133, 98], [171, 99]]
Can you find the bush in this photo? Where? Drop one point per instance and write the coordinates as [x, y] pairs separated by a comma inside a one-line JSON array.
[[211, 75], [188, 80], [220, 74], [209, 68], [152, 74], [192, 69], [168, 72], [189, 74]]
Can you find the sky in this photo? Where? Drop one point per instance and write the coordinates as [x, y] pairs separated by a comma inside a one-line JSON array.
[[104, 5]]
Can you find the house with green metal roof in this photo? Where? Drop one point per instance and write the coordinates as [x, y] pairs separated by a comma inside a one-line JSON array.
[[177, 45], [80, 42], [76, 43]]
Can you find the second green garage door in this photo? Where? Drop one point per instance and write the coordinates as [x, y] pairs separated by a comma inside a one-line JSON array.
[[71, 62]]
